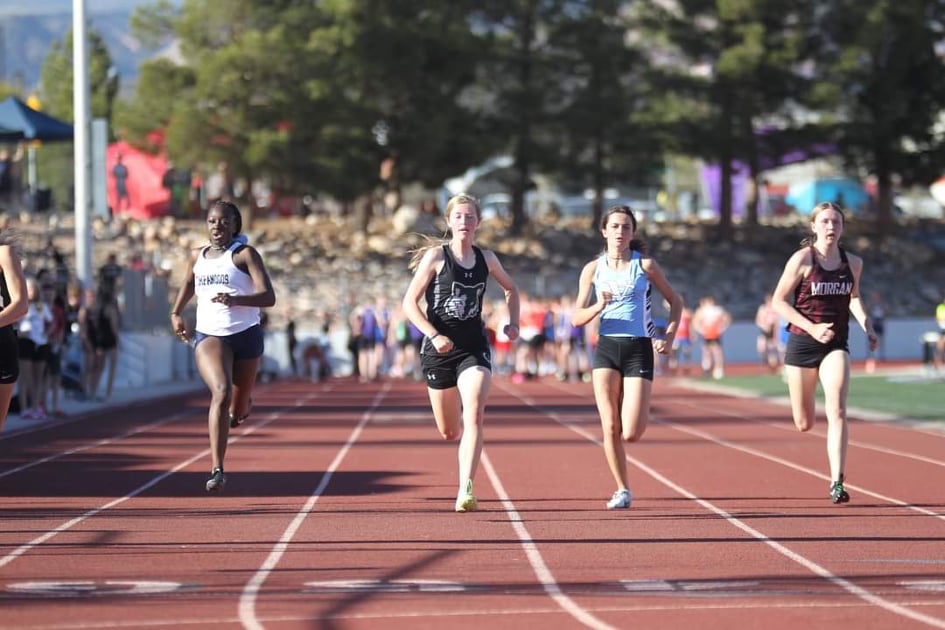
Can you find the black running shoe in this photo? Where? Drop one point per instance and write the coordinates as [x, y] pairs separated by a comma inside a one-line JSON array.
[[235, 422], [837, 492], [217, 480]]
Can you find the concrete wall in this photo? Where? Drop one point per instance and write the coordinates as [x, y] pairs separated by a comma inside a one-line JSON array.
[[158, 357], [903, 340], [153, 359]]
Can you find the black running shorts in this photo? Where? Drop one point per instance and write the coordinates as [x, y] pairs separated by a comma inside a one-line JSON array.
[[441, 371], [9, 359], [631, 356], [806, 352]]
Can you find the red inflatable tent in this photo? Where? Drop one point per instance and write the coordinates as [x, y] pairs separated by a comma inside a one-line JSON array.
[[147, 198]]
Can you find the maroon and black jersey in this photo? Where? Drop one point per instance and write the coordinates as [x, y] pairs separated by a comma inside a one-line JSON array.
[[824, 297]]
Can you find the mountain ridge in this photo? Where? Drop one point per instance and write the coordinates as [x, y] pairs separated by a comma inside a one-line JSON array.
[[27, 34]]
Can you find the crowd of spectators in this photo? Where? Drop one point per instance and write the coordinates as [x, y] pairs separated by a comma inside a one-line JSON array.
[[68, 340]]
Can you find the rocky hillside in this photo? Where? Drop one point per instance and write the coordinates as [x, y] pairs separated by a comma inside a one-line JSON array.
[[316, 262]]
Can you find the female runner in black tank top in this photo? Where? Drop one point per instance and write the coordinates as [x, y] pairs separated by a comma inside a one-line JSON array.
[[817, 292], [454, 304], [455, 355], [13, 306]]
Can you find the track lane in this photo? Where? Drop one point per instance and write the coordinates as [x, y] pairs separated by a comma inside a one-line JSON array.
[[170, 531], [406, 555], [385, 519], [680, 466]]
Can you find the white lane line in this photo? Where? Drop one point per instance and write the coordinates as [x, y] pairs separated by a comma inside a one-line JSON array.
[[549, 613], [39, 540], [247, 603], [542, 572], [934, 428], [87, 447], [808, 564], [773, 458], [792, 429]]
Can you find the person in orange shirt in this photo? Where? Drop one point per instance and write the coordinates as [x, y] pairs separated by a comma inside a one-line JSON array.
[[532, 335], [681, 353], [711, 320], [767, 320]]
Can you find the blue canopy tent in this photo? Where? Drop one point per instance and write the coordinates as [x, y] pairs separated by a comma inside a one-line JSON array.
[[17, 116], [10, 135], [31, 124], [849, 194]]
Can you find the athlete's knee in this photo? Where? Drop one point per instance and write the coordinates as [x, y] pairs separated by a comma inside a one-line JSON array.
[[611, 429], [633, 435], [473, 419], [803, 423], [221, 392], [450, 434], [836, 416]]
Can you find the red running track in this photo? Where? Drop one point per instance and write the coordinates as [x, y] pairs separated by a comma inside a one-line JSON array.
[[338, 514]]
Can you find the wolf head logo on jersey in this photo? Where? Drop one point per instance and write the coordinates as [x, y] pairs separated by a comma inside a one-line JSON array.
[[465, 301]]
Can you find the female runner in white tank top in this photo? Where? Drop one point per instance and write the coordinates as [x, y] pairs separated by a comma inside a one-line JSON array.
[[231, 284]]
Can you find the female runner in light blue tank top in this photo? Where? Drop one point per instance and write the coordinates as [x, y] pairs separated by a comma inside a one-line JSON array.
[[623, 362]]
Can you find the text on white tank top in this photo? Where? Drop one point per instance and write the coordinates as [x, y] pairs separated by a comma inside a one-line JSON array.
[[220, 275]]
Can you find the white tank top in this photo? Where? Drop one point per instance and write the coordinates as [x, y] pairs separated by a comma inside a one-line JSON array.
[[33, 324], [220, 275]]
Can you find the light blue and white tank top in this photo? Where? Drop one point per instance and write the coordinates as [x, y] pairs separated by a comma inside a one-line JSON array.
[[220, 275], [628, 313]]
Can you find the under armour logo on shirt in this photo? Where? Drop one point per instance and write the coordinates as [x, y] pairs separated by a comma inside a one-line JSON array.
[[469, 274]]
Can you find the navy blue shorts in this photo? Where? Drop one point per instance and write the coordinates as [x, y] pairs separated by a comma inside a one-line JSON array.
[[247, 344], [631, 356], [806, 352]]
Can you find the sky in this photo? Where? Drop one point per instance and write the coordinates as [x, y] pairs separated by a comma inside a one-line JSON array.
[[43, 7]]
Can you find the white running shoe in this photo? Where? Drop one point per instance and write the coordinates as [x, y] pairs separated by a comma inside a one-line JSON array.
[[621, 500], [466, 500]]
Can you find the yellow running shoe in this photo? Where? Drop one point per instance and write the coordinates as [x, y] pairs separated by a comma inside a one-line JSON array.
[[466, 501]]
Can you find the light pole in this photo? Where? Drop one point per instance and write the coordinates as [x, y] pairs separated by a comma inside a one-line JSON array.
[[82, 158], [34, 103]]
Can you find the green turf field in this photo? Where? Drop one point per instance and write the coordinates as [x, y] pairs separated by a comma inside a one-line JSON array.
[[906, 395]]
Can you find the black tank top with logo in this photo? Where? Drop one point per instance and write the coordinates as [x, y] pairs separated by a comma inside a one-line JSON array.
[[454, 301], [824, 297]]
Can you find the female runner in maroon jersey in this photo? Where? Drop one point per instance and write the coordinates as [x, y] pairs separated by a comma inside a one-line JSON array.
[[819, 288]]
